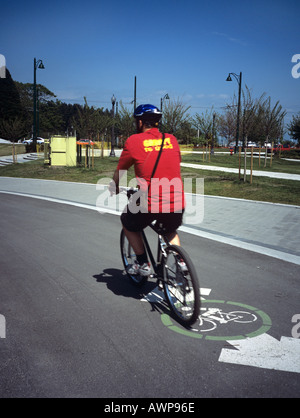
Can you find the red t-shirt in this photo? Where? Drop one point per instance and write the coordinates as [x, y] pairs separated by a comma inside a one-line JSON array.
[[141, 150]]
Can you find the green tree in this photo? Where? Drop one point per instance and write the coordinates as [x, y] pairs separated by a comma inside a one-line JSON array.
[[44, 96], [68, 112], [175, 116], [10, 103], [83, 121], [26, 94], [125, 123], [90, 122], [13, 129], [207, 125], [227, 124], [252, 117], [272, 121], [186, 132], [294, 128], [50, 119], [101, 122]]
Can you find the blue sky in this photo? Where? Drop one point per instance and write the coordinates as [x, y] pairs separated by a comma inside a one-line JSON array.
[[95, 48]]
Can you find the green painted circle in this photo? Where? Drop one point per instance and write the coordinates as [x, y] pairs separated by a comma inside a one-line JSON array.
[[266, 324]]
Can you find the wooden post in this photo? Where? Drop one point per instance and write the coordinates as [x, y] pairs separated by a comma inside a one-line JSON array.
[[251, 165], [13, 152], [266, 153], [245, 164], [240, 151], [272, 154], [259, 155]]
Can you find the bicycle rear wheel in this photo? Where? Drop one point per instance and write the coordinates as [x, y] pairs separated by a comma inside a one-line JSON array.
[[128, 258], [181, 285]]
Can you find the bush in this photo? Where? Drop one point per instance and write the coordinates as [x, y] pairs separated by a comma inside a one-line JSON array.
[[293, 153]]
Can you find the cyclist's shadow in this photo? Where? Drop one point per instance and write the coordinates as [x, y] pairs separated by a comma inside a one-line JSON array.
[[117, 282]]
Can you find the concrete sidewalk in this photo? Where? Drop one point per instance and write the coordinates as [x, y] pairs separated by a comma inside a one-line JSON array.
[[266, 228], [257, 173], [20, 158]]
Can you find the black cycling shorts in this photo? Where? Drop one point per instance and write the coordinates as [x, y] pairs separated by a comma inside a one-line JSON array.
[[136, 222]]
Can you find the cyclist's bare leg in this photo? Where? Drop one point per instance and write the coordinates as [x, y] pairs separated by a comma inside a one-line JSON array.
[[173, 238], [136, 241]]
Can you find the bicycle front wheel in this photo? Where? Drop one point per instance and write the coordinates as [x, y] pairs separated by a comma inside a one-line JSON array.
[[181, 285], [128, 257]]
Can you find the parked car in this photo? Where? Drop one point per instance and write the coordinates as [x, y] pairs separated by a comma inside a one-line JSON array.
[[85, 142], [232, 144], [39, 141], [281, 148]]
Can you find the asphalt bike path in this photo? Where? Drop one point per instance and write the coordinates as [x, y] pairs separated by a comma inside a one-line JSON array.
[[76, 327]]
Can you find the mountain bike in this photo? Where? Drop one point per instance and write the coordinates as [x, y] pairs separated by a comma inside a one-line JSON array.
[[173, 270]]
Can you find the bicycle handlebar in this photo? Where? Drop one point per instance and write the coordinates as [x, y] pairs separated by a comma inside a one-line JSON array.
[[129, 192]]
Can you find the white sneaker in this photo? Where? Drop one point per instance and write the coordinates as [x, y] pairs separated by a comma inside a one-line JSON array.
[[182, 266], [135, 269]]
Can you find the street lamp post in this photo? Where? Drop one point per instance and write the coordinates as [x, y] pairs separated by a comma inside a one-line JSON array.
[[112, 152], [239, 80], [36, 64], [134, 100], [166, 97]]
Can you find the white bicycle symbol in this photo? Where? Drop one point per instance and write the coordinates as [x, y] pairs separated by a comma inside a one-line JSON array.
[[209, 320]]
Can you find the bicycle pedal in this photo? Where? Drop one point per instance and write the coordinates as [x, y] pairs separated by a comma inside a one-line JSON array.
[[159, 284]]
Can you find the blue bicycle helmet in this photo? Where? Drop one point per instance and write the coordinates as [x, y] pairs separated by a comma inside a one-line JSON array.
[[147, 110]]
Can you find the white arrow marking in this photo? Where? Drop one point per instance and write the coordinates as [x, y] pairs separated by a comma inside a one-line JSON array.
[[266, 352]]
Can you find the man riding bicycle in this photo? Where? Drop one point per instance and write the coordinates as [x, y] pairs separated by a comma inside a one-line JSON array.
[[163, 193]]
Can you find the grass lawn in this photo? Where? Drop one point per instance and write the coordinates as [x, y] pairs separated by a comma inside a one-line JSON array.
[[215, 183]]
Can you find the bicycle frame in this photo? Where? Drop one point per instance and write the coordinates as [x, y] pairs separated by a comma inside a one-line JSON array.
[[162, 242]]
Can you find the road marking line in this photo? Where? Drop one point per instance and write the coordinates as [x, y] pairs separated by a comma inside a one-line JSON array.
[[264, 352]]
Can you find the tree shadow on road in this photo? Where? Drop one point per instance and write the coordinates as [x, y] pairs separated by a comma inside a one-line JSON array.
[[118, 283]]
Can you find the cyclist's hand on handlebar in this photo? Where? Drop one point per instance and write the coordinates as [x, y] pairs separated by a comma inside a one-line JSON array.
[[113, 188]]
